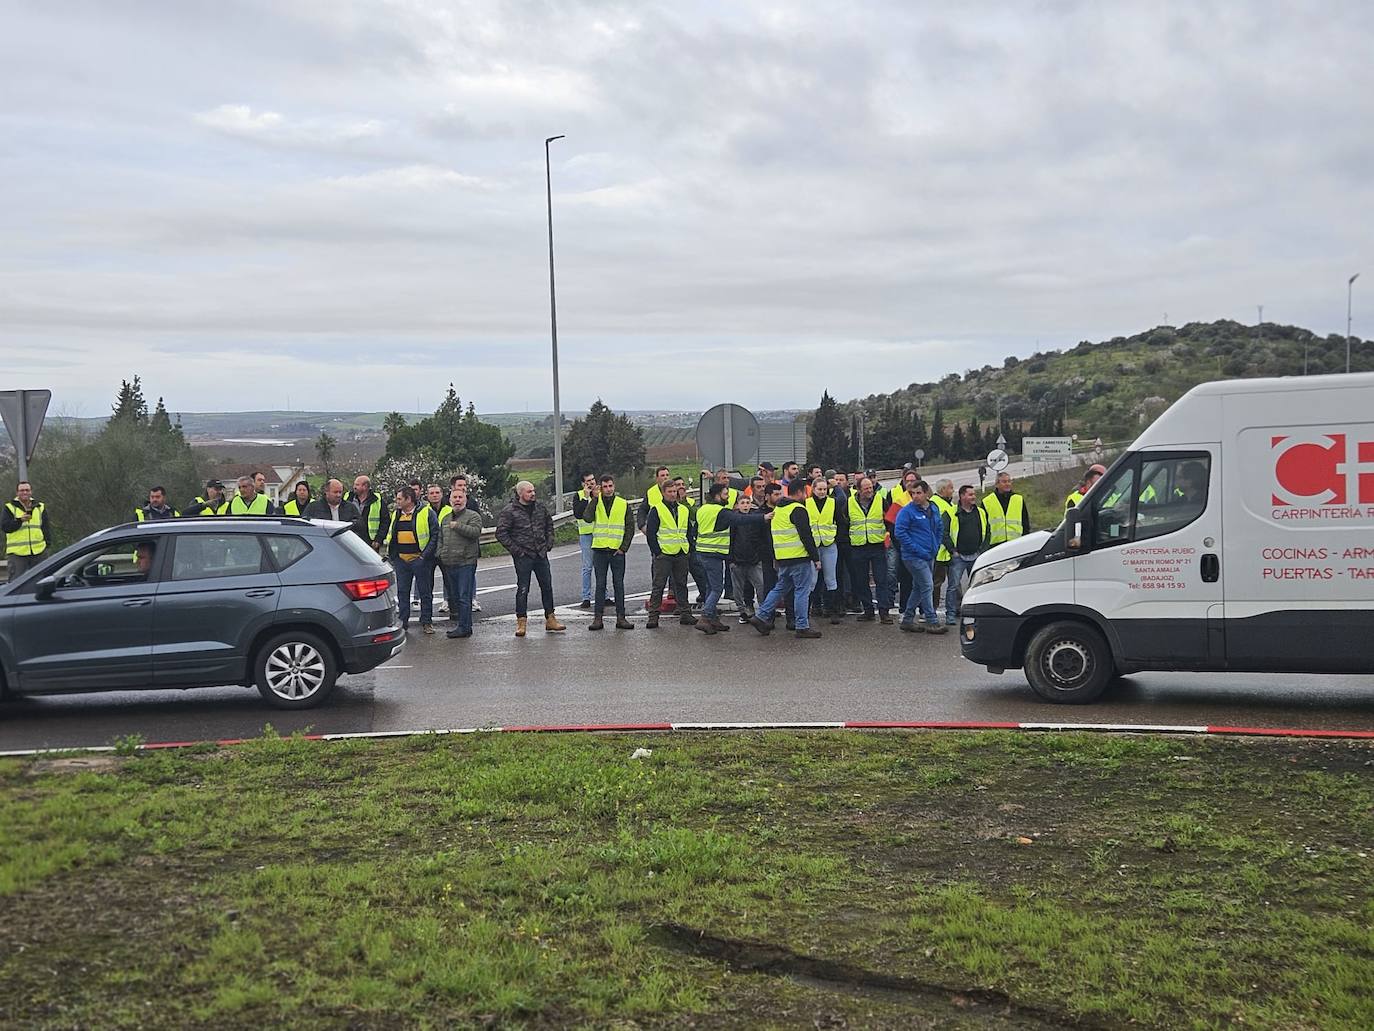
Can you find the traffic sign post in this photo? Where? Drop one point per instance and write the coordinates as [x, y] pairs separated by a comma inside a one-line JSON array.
[[920, 456], [727, 435], [23, 412]]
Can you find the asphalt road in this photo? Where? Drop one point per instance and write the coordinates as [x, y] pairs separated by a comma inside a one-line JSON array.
[[857, 671]]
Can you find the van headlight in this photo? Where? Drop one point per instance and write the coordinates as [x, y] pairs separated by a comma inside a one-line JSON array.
[[993, 572]]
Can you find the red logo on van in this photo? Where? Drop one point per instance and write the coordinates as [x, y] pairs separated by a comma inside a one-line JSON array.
[[1317, 470]]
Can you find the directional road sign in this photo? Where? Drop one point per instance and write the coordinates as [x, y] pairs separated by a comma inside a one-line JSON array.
[[727, 436], [1046, 447], [23, 411], [998, 460]]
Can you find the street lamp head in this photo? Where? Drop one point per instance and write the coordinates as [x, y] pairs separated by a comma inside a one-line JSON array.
[[551, 139], [1352, 279]]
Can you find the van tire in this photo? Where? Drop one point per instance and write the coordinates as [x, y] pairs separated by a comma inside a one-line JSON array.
[[1069, 663], [303, 670]]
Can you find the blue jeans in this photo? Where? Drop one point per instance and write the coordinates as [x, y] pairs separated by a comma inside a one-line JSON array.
[[420, 574], [959, 566], [462, 585], [830, 558], [862, 559], [797, 579], [584, 541], [714, 567], [922, 590]]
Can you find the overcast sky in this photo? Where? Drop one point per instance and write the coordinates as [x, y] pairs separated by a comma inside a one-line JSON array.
[[343, 203]]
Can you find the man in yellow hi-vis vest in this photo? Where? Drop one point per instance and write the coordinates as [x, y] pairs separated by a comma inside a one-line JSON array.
[[1008, 516], [27, 531]]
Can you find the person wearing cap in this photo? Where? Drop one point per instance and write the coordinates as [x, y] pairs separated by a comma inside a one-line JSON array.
[[1094, 473], [212, 503]]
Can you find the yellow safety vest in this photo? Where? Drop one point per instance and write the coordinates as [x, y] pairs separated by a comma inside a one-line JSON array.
[[787, 542], [947, 509], [258, 506], [374, 513], [202, 502], [293, 507], [711, 541], [982, 525], [1072, 500], [672, 533], [585, 526], [608, 528], [731, 496], [654, 496], [822, 520], [421, 527], [447, 510], [1006, 526], [898, 496], [28, 539], [866, 529]]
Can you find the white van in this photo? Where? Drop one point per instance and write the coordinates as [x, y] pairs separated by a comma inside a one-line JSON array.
[[1237, 533]]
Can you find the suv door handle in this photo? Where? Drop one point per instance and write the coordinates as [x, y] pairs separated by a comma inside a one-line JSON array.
[[137, 603], [1211, 568], [261, 592]]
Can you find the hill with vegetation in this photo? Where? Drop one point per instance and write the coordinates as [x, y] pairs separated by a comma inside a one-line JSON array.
[[1110, 389]]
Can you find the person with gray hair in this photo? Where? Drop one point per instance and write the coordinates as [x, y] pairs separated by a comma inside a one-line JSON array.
[[525, 529]]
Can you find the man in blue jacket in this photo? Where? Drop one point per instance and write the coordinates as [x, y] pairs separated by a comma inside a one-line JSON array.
[[920, 530]]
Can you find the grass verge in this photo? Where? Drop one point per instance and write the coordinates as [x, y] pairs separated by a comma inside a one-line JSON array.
[[812, 880]]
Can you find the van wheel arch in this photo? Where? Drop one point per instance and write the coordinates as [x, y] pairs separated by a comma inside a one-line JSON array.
[[1036, 621]]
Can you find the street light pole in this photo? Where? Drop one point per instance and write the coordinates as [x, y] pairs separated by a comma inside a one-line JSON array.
[[1349, 294], [553, 331]]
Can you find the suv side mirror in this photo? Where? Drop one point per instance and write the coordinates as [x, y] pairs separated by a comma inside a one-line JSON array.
[[45, 588]]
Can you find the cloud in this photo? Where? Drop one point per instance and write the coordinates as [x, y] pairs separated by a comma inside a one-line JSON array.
[[271, 127]]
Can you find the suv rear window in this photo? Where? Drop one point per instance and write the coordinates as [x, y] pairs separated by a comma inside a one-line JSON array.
[[355, 546], [286, 551]]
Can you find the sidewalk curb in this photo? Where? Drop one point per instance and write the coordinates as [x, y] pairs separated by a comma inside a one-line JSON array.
[[687, 727]]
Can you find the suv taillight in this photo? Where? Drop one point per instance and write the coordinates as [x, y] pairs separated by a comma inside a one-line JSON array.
[[360, 590]]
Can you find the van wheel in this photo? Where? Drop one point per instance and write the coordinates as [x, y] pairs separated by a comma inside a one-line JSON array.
[[295, 670], [1069, 662]]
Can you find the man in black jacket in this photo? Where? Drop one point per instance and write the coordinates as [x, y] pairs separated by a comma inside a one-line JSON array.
[[525, 529], [332, 505], [746, 558]]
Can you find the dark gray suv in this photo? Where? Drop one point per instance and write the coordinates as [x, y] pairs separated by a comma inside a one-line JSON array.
[[286, 604]]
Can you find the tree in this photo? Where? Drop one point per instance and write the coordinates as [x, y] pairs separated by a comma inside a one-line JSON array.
[[324, 448], [829, 444], [602, 442], [957, 444], [92, 480], [453, 439], [938, 445], [129, 406]]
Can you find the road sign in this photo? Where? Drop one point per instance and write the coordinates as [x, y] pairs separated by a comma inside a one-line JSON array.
[[1046, 447], [998, 460], [23, 411], [920, 454], [727, 436], [1001, 442]]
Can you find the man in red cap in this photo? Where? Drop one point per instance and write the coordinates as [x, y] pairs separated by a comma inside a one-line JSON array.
[[1093, 474]]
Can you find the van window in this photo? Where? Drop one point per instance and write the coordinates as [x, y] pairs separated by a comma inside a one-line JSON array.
[[1151, 497]]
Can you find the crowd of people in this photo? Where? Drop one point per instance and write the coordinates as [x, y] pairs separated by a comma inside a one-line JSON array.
[[823, 544]]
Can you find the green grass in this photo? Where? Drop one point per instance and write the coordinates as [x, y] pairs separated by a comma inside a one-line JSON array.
[[519, 880]]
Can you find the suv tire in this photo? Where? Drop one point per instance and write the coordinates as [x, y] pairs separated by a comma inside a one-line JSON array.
[[295, 670], [1069, 662]]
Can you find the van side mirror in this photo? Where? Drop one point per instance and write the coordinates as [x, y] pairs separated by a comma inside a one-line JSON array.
[[45, 588], [1075, 524]]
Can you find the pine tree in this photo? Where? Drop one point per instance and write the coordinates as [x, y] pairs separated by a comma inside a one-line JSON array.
[[602, 442], [161, 422], [130, 406], [938, 444], [829, 444], [957, 444]]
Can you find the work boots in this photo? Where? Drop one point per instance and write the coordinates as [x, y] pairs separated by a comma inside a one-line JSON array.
[[551, 624], [652, 622], [596, 623], [721, 627], [621, 623], [521, 622]]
